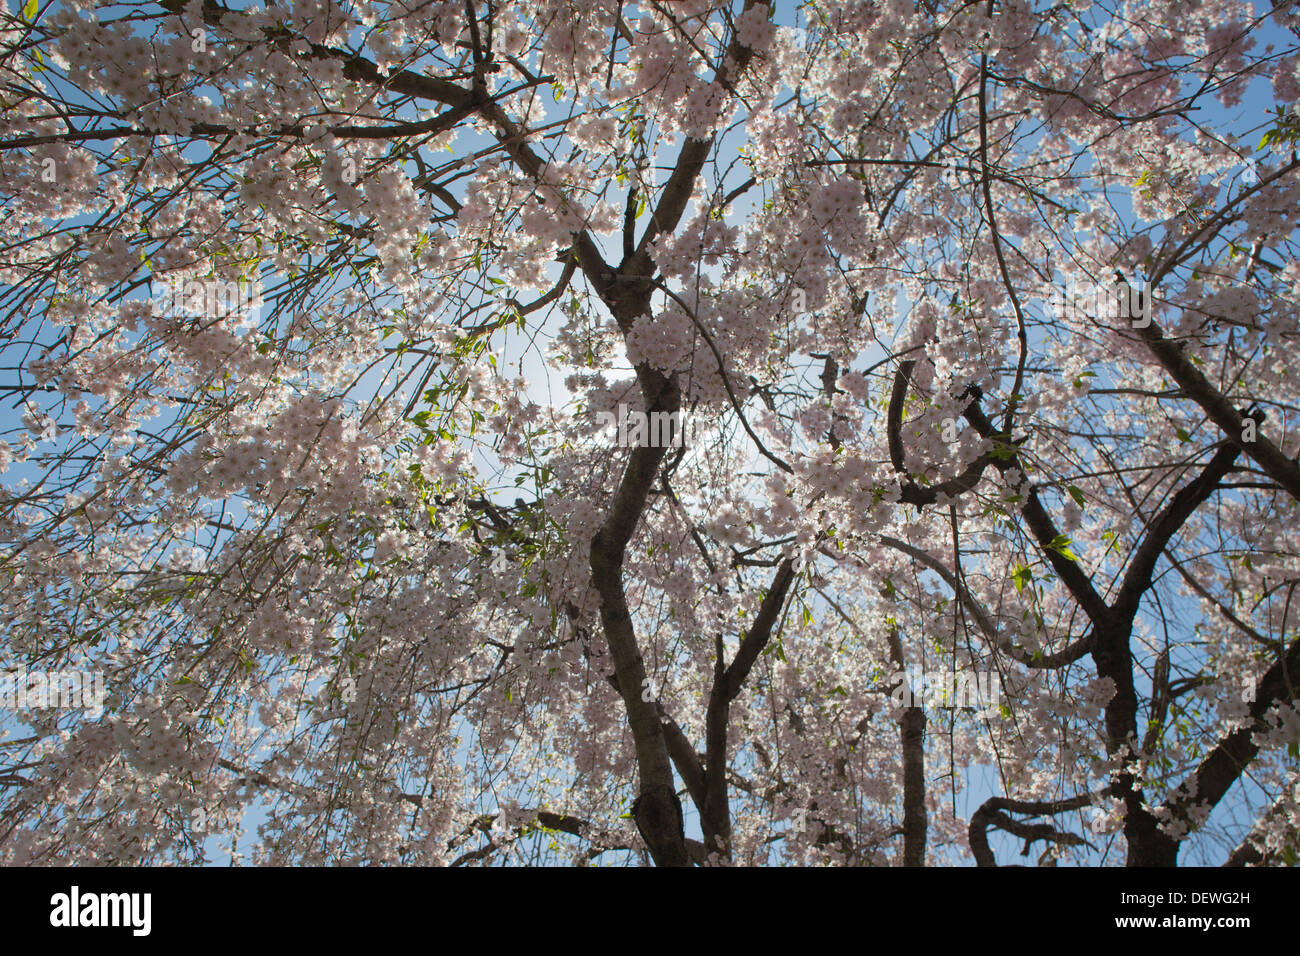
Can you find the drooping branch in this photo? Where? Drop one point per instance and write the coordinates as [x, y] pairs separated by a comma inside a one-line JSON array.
[[1040, 524], [1057, 659], [993, 812], [912, 493], [726, 380], [676, 193], [990, 212], [756, 638], [421, 86], [1224, 764], [543, 819], [1274, 462], [1137, 580], [444, 121], [1257, 850]]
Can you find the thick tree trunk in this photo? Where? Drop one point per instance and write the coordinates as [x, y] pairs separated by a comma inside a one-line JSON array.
[[911, 729], [912, 732]]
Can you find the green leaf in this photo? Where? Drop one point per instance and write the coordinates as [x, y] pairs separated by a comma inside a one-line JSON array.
[[29, 11], [1061, 545], [1183, 435], [1076, 494], [1021, 576]]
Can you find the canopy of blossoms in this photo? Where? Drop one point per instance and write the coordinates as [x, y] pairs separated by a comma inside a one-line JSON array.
[[979, 320]]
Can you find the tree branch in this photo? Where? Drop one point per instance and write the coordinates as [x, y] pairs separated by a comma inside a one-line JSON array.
[[992, 813]]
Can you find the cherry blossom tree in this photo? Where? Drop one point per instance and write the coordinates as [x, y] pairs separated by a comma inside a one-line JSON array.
[[976, 323]]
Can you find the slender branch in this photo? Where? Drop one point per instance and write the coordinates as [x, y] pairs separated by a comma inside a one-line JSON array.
[[1061, 658], [756, 638], [1137, 580]]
